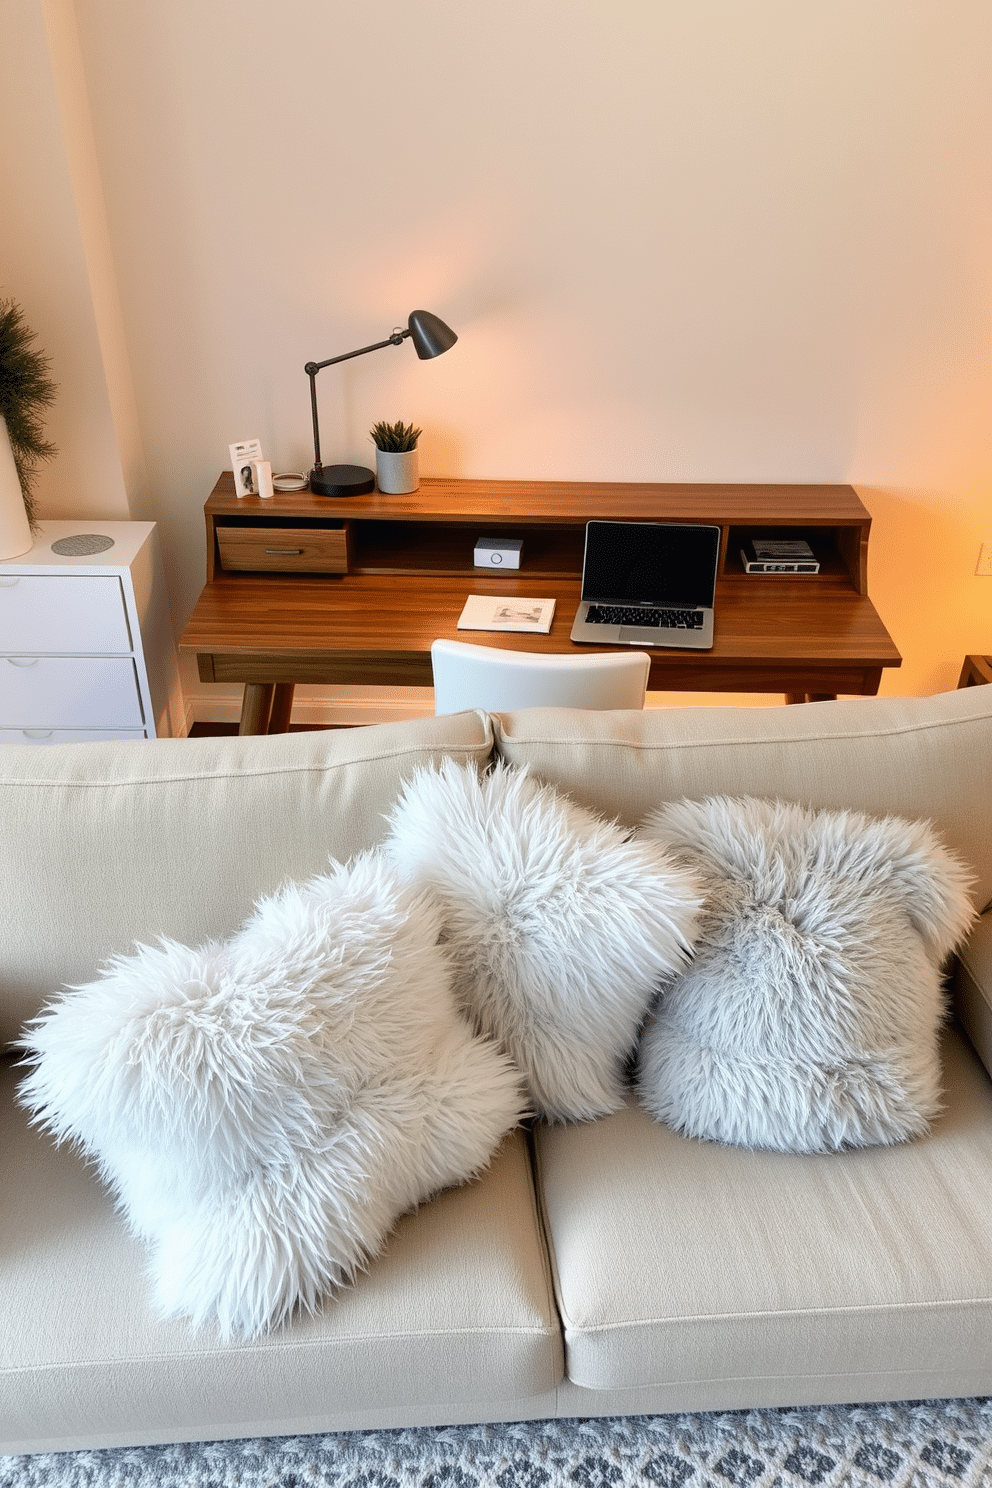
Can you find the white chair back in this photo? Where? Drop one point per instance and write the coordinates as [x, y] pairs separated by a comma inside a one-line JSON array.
[[498, 680]]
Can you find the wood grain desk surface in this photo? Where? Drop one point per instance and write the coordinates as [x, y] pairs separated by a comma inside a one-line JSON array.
[[449, 499], [409, 576], [379, 629]]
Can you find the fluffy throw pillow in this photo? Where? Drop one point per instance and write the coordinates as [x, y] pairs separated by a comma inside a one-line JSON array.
[[561, 928], [266, 1108], [809, 1018]]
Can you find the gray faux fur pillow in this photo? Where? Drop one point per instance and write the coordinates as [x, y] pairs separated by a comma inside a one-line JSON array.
[[809, 1018]]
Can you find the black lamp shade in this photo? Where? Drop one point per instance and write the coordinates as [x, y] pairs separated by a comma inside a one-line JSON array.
[[430, 336]]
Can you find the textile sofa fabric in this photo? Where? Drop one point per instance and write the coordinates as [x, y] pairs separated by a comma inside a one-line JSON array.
[[595, 1268]]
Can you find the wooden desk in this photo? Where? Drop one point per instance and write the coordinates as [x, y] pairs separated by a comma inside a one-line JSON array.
[[392, 574]]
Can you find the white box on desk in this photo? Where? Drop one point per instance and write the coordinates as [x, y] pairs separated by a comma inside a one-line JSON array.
[[498, 552]]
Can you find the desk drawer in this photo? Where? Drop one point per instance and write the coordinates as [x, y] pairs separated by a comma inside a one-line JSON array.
[[69, 692], [52, 612], [284, 549]]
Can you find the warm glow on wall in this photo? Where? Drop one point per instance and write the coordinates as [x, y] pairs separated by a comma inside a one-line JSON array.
[[694, 243]]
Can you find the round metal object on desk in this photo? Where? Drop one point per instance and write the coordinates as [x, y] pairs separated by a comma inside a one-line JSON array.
[[82, 545]]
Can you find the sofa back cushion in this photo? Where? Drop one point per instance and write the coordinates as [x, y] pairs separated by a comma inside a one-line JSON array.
[[914, 757], [108, 844]]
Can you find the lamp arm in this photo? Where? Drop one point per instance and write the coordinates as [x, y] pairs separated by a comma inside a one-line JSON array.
[[312, 368], [396, 339]]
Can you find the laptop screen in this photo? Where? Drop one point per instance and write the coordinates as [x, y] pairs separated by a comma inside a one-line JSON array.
[[650, 563]]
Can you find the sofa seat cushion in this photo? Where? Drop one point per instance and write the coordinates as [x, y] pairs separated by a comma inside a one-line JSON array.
[[453, 1321], [692, 1275]]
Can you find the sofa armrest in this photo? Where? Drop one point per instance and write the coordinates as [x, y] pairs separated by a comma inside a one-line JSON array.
[[973, 989]]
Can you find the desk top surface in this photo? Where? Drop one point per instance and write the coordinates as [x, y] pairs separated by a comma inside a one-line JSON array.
[[775, 619], [543, 503]]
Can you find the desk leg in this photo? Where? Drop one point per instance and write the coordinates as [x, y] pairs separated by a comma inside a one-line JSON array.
[[976, 672], [256, 707], [282, 707], [810, 697]]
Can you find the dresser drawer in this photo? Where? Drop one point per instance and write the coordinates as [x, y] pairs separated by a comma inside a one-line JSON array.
[[40, 612], [67, 736], [69, 692], [284, 549]]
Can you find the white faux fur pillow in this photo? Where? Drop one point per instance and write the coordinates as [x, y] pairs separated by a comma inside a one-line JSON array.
[[561, 928], [809, 1018], [266, 1108]]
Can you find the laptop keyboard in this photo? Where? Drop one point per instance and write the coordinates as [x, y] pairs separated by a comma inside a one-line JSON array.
[[600, 614]]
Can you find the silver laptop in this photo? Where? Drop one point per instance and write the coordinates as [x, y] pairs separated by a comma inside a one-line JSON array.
[[648, 584]]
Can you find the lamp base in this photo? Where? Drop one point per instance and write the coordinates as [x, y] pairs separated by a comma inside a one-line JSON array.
[[341, 480]]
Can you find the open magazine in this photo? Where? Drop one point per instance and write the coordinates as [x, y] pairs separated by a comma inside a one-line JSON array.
[[506, 612]]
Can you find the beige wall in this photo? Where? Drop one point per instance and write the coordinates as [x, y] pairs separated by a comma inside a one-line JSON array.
[[50, 263], [690, 241]]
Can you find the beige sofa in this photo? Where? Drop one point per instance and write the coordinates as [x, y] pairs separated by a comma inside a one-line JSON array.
[[605, 1268]]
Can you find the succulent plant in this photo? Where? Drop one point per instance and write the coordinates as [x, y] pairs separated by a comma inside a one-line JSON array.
[[395, 438], [25, 391]]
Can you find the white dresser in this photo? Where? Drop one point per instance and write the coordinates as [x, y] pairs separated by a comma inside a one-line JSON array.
[[87, 649]]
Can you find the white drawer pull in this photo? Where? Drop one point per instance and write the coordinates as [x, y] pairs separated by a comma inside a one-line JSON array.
[[37, 733], [23, 661], [8, 583]]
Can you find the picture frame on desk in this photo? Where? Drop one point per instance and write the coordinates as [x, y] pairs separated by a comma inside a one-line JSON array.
[[243, 455]]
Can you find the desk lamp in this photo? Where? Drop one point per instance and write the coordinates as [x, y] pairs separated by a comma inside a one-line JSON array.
[[430, 338]]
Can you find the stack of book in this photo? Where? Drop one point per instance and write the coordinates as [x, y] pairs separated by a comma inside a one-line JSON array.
[[773, 555]]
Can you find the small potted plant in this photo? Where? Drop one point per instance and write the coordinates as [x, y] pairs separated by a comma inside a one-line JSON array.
[[397, 458], [26, 390]]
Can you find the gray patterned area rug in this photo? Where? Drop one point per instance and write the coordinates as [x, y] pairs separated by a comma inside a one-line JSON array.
[[918, 1444]]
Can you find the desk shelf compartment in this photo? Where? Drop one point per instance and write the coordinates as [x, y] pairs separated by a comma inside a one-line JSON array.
[[422, 548], [838, 555], [433, 530]]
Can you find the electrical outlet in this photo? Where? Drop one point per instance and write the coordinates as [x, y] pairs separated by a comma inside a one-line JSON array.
[[984, 566]]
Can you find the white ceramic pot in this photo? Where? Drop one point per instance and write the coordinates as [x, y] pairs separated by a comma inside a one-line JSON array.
[[397, 471], [15, 530]]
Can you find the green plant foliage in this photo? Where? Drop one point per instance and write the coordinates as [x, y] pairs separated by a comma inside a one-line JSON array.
[[394, 437], [26, 390]]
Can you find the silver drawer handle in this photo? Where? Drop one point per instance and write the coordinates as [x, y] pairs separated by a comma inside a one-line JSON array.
[[23, 661], [287, 552]]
